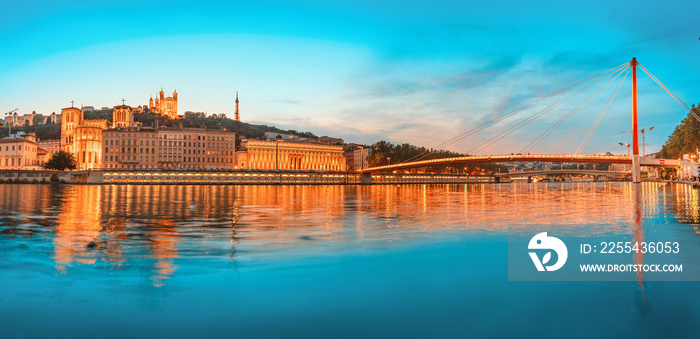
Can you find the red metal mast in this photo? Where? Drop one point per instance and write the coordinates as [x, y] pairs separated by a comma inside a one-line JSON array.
[[635, 125]]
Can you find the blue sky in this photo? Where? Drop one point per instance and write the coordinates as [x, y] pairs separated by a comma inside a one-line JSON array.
[[403, 71]]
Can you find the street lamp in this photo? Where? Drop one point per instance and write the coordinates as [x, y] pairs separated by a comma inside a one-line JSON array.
[[628, 147], [644, 153]]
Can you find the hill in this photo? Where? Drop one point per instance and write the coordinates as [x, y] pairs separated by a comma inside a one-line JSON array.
[[43, 131], [214, 121]]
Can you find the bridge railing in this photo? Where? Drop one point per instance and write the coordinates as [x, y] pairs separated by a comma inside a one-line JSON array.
[[505, 158]]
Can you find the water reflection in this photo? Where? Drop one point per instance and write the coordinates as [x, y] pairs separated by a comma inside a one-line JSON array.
[[638, 257], [78, 224], [161, 229]]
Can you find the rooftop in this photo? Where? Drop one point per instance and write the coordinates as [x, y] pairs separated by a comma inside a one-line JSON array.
[[14, 140]]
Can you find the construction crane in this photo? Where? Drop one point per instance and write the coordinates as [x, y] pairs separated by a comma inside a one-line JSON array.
[[9, 125]]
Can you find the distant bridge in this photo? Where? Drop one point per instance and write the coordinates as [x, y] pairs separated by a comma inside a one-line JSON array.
[[610, 159], [558, 172]]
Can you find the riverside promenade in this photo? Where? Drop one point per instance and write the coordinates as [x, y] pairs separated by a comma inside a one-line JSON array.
[[233, 177]]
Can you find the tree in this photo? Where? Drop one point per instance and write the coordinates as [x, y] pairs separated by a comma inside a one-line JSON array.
[[37, 118], [62, 161], [48, 131], [99, 114], [383, 153], [685, 138]]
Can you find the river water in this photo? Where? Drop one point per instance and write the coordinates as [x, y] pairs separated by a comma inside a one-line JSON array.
[[115, 261]]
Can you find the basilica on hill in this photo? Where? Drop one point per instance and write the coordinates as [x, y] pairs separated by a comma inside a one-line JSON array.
[[166, 106]]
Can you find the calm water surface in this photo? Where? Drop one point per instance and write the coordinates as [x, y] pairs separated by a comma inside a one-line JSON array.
[[327, 261]]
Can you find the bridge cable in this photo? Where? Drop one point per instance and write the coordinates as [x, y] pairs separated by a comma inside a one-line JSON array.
[[532, 118], [595, 125], [551, 106], [511, 113], [669, 91], [566, 117]]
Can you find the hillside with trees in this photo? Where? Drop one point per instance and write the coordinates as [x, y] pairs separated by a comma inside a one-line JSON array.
[[685, 139], [149, 119], [99, 114], [43, 131], [215, 121]]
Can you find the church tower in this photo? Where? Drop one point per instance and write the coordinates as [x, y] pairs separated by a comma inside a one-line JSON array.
[[122, 116], [238, 117], [156, 105], [71, 118], [172, 107]]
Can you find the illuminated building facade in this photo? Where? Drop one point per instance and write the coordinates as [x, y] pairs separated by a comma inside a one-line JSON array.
[[122, 116], [51, 146], [196, 148], [168, 147], [130, 147], [280, 154], [54, 118], [356, 157], [19, 152], [166, 106], [82, 137]]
